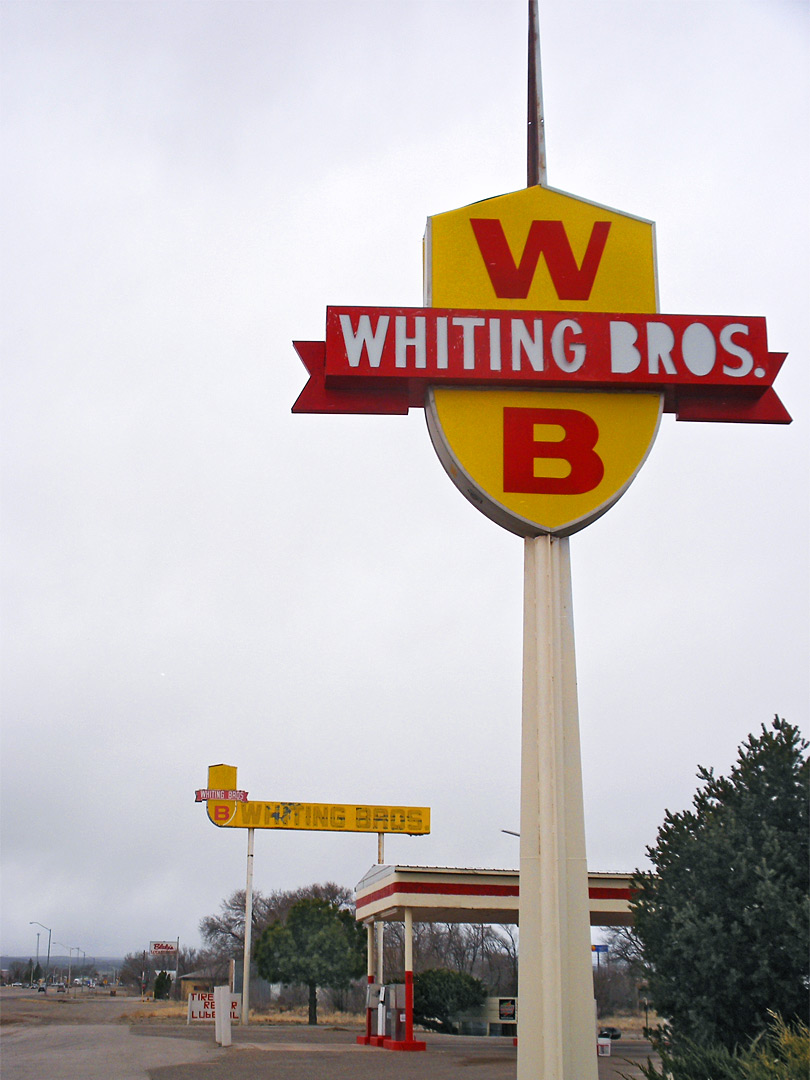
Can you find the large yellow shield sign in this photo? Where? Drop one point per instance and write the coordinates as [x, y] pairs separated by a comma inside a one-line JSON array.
[[540, 461]]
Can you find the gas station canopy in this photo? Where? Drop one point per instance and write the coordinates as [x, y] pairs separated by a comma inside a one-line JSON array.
[[455, 895]]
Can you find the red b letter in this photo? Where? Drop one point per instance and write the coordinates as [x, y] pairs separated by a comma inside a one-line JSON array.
[[521, 450]]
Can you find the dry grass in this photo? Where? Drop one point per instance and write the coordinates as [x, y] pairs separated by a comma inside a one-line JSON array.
[[160, 1010], [175, 1011], [301, 1016], [630, 1024]]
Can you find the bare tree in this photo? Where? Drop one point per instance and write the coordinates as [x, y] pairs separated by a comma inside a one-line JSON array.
[[616, 981], [224, 933], [137, 970], [625, 945], [502, 961], [487, 952]]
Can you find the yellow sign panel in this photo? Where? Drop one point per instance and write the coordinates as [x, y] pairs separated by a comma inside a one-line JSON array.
[[329, 817], [230, 808], [542, 461], [543, 250]]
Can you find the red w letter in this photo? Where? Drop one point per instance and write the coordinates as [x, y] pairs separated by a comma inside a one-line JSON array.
[[548, 238]]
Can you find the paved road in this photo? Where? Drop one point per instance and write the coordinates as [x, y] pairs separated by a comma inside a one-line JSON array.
[[92, 1052], [56, 1037], [95, 1040]]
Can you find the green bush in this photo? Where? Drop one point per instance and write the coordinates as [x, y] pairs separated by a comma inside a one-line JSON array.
[[163, 986], [440, 996], [780, 1053]]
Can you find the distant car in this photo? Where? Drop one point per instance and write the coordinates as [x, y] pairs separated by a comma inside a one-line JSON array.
[[609, 1033], [61, 988], [17, 984], [41, 989]]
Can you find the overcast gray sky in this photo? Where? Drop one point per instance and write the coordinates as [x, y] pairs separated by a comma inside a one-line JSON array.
[[192, 575]]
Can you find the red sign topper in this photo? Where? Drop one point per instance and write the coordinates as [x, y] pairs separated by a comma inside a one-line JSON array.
[[381, 360]]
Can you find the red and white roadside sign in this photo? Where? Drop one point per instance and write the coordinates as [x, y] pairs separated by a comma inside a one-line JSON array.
[[219, 794], [163, 948], [201, 1007]]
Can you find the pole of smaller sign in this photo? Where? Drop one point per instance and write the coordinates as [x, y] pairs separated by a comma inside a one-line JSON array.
[[556, 1034], [365, 1040], [248, 931], [379, 925]]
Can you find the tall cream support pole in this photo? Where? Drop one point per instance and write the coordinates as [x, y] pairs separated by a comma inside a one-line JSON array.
[[248, 931], [556, 1033]]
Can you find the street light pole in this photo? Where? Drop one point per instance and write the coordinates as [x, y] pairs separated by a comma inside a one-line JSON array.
[[70, 949], [33, 922]]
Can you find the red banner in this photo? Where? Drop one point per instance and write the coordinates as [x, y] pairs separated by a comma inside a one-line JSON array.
[[381, 360]]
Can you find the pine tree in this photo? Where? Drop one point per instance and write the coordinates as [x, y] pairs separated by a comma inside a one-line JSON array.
[[724, 918], [320, 944]]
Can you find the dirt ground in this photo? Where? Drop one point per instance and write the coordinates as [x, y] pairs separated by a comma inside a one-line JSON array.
[[78, 1007], [105, 1038]]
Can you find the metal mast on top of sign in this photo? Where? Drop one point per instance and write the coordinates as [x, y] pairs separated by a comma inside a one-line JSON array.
[[556, 1033], [536, 131]]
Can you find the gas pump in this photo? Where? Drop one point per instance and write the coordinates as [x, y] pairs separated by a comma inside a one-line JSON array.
[[395, 1012], [381, 1004]]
